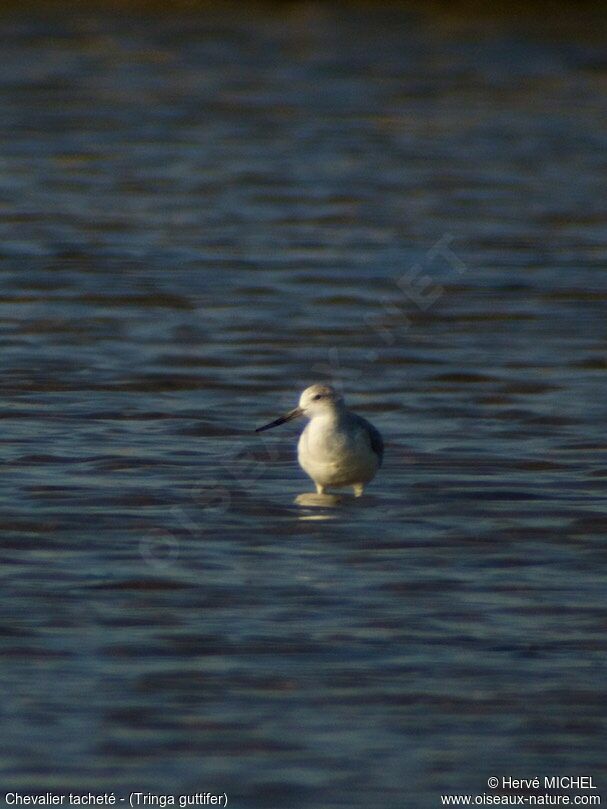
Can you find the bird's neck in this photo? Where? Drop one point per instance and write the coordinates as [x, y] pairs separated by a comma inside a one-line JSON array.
[[331, 415]]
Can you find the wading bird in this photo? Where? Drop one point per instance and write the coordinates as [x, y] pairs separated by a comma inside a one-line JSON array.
[[337, 448]]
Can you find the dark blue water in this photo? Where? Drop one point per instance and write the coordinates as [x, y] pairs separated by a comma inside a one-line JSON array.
[[201, 214]]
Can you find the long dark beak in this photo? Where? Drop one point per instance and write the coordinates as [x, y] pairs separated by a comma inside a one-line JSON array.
[[292, 414]]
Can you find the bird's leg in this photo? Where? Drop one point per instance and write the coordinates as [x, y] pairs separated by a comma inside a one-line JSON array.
[[358, 489], [319, 489]]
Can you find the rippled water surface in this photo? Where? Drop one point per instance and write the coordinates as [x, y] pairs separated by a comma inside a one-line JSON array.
[[199, 216]]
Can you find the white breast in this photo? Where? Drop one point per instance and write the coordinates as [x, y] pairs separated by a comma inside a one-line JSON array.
[[336, 454]]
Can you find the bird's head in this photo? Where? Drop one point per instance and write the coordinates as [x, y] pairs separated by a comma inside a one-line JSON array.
[[314, 401], [319, 399]]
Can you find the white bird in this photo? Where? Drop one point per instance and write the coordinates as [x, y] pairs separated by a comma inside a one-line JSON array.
[[337, 448]]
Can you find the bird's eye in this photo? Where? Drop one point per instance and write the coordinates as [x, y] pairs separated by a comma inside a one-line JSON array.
[[318, 396]]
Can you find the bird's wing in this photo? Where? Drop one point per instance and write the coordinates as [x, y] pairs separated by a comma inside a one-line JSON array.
[[375, 439]]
